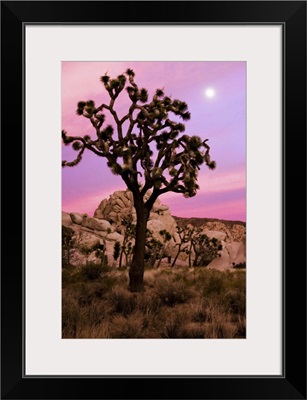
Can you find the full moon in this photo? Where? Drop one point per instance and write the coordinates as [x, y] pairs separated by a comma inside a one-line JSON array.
[[210, 92]]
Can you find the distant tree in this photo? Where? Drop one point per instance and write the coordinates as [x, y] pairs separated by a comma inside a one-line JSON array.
[[101, 249], [205, 249], [166, 237], [183, 244], [148, 145], [129, 237], [116, 251], [68, 243], [153, 248], [86, 251]]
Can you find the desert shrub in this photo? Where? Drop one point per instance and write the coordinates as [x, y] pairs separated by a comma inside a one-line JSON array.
[[169, 321], [68, 243], [224, 330], [87, 298], [150, 276], [220, 330], [91, 271], [219, 325], [122, 301], [201, 313], [86, 292], [95, 314], [69, 276], [177, 303], [119, 279], [235, 279], [129, 327], [172, 328], [172, 292], [213, 285], [235, 301], [148, 303], [193, 330], [101, 331], [241, 327], [70, 316], [239, 265]]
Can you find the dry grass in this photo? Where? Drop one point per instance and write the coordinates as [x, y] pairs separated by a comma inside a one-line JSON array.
[[177, 303]]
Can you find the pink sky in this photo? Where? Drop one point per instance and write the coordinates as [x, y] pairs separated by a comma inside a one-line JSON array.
[[221, 119]]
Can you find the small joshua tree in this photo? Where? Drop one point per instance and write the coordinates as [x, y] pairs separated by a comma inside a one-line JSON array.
[[68, 243], [129, 237], [153, 248], [116, 251], [101, 251], [147, 149], [206, 249], [166, 237], [184, 234]]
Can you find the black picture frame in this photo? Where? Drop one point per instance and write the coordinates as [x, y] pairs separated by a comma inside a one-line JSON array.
[[292, 16]]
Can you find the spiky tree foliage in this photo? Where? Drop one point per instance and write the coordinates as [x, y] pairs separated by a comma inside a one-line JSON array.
[[129, 238], [101, 250], [153, 248], [151, 152], [166, 237], [205, 249], [184, 234], [116, 251], [68, 243]]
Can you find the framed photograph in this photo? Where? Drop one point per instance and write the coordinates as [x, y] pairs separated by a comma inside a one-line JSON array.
[[163, 233]]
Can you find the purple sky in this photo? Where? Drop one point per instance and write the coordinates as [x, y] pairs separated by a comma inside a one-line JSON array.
[[221, 119]]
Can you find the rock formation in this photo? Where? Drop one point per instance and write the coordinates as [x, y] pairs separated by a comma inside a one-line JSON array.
[[106, 227]]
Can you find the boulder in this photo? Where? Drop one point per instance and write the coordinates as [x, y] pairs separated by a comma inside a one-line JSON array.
[[232, 253], [119, 207], [87, 240], [236, 251], [98, 214], [66, 220], [155, 226], [114, 237], [120, 203], [97, 224], [216, 234], [76, 218], [153, 215], [221, 262], [169, 223]]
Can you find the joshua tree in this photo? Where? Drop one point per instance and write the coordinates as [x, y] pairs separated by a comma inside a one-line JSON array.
[[101, 250], [205, 248], [146, 149], [184, 234], [153, 248], [129, 237], [116, 251], [166, 237], [68, 243]]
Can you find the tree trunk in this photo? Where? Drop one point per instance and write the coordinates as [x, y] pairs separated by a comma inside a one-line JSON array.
[[136, 271], [160, 259], [190, 256], [175, 259]]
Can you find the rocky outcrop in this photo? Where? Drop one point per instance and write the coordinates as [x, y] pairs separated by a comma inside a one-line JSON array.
[[96, 224], [106, 227], [119, 207]]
